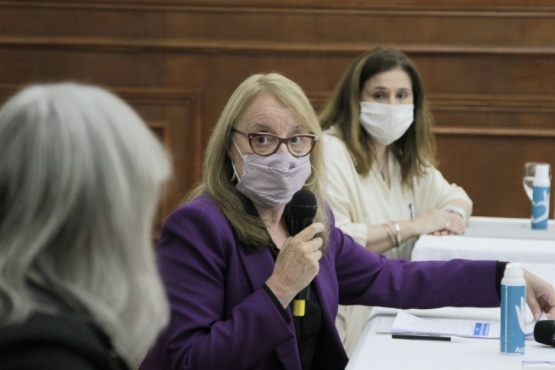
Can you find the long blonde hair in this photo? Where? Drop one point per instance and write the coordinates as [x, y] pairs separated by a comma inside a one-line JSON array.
[[217, 167]]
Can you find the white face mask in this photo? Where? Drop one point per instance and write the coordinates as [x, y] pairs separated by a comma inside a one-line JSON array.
[[386, 122]]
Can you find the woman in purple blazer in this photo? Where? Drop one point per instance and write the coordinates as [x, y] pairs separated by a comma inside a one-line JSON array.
[[232, 267]]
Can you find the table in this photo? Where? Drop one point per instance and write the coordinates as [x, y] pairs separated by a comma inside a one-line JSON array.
[[486, 238], [377, 350]]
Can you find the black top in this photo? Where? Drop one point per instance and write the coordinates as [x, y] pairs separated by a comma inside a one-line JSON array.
[[46, 341], [63, 338], [307, 328]]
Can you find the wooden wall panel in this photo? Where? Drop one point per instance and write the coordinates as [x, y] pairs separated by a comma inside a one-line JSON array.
[[488, 69], [491, 167], [174, 115]]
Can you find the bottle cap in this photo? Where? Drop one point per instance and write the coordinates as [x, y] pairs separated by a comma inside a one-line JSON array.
[[542, 171], [513, 269]]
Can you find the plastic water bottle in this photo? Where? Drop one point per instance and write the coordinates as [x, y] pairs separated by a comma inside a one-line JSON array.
[[513, 310], [541, 187]]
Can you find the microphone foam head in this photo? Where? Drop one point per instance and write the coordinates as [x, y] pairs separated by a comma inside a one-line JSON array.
[[303, 198], [544, 332], [304, 201]]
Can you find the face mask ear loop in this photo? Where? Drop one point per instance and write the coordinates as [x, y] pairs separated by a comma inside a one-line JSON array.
[[314, 178], [235, 175]]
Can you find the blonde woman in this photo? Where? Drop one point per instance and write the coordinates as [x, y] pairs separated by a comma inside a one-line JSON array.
[[232, 267]]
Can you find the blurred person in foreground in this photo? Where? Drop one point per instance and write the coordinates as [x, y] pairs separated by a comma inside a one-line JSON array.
[[232, 267], [381, 180], [80, 178]]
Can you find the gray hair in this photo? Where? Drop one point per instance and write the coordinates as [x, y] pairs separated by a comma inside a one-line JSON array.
[[80, 177]]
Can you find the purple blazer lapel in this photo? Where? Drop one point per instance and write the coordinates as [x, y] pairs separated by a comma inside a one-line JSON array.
[[259, 266]]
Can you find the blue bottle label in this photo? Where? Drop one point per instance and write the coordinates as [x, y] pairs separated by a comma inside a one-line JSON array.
[[540, 207], [513, 316]]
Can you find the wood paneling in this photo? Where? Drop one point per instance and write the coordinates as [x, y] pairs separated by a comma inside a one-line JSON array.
[[174, 115], [487, 68]]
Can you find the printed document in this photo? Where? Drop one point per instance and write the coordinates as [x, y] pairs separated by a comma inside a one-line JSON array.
[[407, 323]]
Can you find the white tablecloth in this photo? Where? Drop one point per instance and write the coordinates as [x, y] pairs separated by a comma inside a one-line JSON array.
[[376, 350], [380, 351], [478, 245]]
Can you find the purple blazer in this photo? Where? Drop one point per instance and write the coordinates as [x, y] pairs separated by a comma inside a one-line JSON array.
[[222, 318]]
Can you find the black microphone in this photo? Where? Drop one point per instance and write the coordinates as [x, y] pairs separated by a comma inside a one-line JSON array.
[[303, 208], [544, 332]]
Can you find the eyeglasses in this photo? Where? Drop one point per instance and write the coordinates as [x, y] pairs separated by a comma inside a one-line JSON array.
[[265, 144]]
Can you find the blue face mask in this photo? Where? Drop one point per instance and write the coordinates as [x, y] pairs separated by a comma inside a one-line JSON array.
[[271, 181]]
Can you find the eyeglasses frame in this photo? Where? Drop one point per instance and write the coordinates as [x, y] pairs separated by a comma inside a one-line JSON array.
[[281, 140]]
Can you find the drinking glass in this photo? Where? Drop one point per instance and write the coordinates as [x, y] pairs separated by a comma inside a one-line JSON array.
[[529, 173]]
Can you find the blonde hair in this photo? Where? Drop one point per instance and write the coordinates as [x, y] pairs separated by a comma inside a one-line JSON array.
[[415, 150], [217, 167], [80, 176]]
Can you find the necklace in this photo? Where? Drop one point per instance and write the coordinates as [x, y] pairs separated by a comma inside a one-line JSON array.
[[381, 168], [381, 173]]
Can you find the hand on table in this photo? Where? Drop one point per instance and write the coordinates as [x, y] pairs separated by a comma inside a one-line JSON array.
[[439, 222], [540, 296]]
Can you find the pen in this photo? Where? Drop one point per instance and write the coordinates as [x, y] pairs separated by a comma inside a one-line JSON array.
[[421, 337]]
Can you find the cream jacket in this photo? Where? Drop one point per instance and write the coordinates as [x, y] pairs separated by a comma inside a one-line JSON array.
[[361, 201]]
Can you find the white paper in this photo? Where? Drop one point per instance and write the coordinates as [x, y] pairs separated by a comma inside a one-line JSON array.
[[538, 365], [409, 324]]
